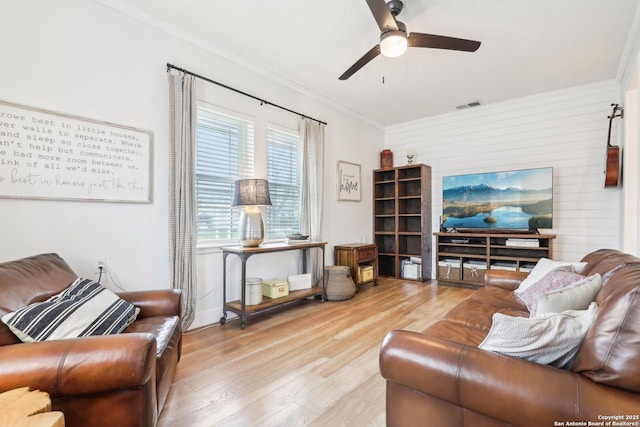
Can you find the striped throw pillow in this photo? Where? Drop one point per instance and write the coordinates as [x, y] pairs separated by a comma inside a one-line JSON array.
[[84, 308]]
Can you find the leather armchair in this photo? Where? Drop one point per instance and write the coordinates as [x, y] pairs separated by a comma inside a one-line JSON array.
[[115, 380]]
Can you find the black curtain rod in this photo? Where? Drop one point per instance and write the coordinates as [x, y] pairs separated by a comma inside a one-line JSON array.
[[262, 101]]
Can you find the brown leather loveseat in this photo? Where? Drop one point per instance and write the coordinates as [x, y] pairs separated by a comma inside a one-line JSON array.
[[440, 378], [112, 380]]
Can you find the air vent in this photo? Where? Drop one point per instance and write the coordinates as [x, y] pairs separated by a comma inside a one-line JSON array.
[[469, 105]]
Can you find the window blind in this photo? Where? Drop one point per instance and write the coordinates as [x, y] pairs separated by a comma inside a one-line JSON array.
[[284, 175], [224, 154]]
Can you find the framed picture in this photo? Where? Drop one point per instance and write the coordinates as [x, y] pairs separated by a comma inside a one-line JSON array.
[[50, 155], [348, 181]]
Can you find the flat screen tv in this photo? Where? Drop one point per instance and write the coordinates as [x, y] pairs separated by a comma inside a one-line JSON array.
[[508, 200]]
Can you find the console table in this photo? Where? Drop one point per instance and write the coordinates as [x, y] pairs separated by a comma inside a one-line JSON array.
[[244, 253]]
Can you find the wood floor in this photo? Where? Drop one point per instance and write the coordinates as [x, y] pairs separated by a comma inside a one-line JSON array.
[[311, 364]]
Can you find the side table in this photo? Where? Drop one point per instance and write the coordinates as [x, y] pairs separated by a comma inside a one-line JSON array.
[[21, 407], [356, 255]]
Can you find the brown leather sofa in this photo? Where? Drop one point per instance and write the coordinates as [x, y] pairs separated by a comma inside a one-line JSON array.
[[440, 378], [114, 380]]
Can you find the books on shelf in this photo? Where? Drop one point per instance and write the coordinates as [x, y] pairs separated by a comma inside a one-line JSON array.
[[525, 243]]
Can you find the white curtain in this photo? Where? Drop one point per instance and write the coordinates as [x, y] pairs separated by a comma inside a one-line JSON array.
[[182, 216], [312, 188]]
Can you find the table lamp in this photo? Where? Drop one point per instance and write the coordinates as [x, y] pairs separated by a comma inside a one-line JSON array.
[[251, 193]]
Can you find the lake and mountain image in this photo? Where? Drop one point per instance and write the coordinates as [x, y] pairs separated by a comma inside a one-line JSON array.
[[514, 199]]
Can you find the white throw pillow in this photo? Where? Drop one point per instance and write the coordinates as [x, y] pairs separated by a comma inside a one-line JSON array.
[[577, 298], [542, 267], [552, 339]]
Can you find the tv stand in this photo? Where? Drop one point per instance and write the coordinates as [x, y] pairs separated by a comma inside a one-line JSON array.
[[503, 231], [463, 257]]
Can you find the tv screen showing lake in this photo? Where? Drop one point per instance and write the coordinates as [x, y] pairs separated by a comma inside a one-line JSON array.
[[512, 200], [505, 217]]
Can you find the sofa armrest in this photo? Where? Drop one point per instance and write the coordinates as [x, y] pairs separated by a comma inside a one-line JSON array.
[[159, 302], [505, 279], [514, 391], [80, 366]]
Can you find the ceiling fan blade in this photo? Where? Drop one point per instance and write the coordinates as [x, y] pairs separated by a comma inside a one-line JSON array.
[[442, 42], [375, 51], [382, 15]]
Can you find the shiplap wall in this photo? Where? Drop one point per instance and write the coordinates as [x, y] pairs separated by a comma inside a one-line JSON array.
[[565, 129]]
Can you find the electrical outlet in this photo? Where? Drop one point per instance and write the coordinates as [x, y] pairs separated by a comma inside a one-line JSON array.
[[100, 261]]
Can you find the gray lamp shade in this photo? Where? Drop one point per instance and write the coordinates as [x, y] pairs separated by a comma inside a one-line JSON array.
[[251, 192]]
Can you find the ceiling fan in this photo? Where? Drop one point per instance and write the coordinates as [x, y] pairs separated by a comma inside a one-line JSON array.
[[394, 39]]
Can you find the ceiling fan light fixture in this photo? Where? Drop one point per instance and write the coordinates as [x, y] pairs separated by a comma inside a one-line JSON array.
[[393, 43]]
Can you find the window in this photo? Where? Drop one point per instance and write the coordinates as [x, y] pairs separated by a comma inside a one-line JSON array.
[[224, 154], [284, 175]]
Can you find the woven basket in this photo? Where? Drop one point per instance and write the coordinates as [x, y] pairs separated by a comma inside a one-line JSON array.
[[338, 283]]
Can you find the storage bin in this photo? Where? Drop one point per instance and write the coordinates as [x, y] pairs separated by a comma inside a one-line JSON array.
[[275, 288], [473, 271], [366, 273], [299, 281], [411, 270], [449, 269], [253, 292]]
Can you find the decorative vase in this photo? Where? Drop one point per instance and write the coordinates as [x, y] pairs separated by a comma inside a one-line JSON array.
[[386, 159]]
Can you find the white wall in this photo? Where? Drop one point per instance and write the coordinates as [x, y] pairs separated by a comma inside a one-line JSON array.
[[566, 130], [82, 58], [628, 75]]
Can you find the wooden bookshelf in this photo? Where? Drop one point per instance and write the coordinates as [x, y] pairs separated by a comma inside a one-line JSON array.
[[402, 219]]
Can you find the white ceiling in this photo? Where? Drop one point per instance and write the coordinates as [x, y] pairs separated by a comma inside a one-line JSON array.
[[528, 47]]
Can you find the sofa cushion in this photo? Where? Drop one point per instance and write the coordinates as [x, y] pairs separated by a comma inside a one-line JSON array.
[[544, 266], [610, 351], [552, 339], [477, 310], [606, 260], [478, 315], [571, 298], [498, 297], [555, 280], [85, 308], [30, 280], [456, 332], [167, 331]]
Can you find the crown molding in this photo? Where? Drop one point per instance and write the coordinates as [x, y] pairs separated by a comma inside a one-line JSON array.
[[141, 15]]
